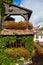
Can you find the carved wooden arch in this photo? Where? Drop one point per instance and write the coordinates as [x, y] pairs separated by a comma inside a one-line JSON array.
[[14, 9]]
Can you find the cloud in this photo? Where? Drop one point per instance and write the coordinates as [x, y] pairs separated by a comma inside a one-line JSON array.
[[39, 21], [37, 7], [21, 5]]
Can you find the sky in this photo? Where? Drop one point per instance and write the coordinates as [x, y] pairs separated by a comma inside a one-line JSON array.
[[17, 18], [36, 6]]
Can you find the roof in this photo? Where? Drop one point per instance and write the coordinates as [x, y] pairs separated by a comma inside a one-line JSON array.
[[18, 6], [11, 8]]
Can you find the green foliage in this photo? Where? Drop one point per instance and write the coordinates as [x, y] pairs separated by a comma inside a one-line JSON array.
[[28, 42], [30, 25], [2, 8], [13, 55], [9, 1], [0, 29], [7, 40], [18, 52], [5, 59]]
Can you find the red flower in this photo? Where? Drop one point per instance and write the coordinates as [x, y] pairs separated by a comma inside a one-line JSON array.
[[18, 48], [26, 55], [13, 56]]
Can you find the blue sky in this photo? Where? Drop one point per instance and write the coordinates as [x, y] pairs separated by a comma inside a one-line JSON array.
[[36, 6], [18, 2]]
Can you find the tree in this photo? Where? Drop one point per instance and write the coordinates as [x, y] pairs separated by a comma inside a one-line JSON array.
[[2, 9]]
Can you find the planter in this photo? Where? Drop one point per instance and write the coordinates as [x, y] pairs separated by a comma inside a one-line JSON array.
[[25, 63], [28, 63]]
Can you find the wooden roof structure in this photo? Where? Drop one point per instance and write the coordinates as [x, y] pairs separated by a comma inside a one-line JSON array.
[[11, 8]]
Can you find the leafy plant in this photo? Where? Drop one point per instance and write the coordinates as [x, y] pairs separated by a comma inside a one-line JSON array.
[[0, 28], [7, 40], [30, 26], [15, 25], [28, 42], [17, 52], [10, 56], [5, 60]]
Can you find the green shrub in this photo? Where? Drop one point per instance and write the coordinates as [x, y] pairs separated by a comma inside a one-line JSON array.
[[4, 40], [5, 60], [7, 40], [28, 42]]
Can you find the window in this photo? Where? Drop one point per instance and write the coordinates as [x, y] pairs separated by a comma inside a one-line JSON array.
[[37, 35]]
